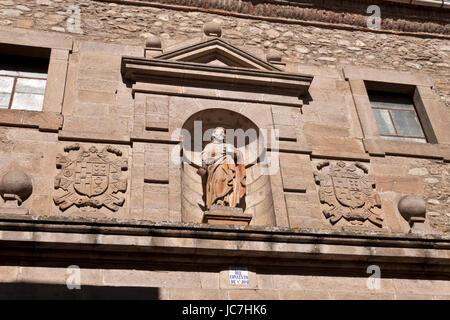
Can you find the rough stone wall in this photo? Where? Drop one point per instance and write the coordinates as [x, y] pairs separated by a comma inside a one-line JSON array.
[[437, 179], [397, 176], [128, 24]]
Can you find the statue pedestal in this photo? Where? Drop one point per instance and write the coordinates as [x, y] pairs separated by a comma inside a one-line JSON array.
[[227, 215], [11, 206]]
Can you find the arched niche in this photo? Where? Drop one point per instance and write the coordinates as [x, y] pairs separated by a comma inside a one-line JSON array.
[[246, 138]]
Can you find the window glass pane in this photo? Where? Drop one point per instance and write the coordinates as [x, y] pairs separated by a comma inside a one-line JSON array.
[[6, 84], [27, 101], [384, 122], [390, 100], [4, 100], [30, 86], [421, 140], [406, 123]]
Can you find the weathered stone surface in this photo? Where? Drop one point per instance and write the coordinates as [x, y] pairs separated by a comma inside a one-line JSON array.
[[90, 177], [226, 215], [348, 194], [412, 208]]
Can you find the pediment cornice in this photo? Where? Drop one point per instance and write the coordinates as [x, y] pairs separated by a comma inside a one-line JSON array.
[[172, 76]]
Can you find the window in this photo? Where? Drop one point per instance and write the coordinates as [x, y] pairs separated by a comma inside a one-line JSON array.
[[396, 116], [22, 82]]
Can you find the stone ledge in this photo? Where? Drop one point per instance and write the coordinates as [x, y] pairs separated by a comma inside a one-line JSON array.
[[66, 135], [153, 137], [445, 149], [35, 38], [13, 210], [183, 229], [180, 246], [380, 147], [338, 155], [387, 76], [44, 120]]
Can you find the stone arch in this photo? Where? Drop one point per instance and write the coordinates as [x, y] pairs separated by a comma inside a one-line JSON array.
[[258, 200]]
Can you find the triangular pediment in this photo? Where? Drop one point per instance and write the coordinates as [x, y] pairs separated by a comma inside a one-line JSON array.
[[216, 52]]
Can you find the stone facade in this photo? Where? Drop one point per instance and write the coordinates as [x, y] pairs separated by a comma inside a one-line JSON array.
[[110, 195]]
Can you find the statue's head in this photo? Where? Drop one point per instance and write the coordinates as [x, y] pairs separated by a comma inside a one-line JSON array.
[[219, 134]]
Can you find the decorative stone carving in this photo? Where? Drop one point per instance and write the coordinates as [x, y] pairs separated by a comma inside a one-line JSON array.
[[224, 171], [273, 56], [153, 46], [349, 192], [15, 187], [91, 178], [153, 42], [213, 29], [413, 209]]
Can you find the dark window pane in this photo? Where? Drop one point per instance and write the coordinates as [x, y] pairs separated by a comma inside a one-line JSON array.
[[384, 122], [16, 64], [390, 100], [406, 123]]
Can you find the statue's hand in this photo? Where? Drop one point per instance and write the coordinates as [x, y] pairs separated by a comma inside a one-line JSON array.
[[201, 171]]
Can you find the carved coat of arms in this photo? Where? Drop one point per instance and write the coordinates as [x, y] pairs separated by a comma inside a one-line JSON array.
[[90, 178], [348, 192]]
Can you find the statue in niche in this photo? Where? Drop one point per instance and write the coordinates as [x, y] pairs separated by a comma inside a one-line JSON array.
[[224, 170]]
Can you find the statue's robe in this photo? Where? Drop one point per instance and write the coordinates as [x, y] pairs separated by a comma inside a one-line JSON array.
[[225, 183]]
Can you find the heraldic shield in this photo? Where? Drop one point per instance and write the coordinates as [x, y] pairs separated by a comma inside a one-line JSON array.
[[348, 193], [92, 178]]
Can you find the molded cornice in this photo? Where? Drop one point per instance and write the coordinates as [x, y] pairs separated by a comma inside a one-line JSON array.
[[257, 81]]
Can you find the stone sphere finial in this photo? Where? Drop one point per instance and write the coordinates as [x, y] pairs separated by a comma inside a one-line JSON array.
[[274, 56], [213, 29], [16, 185], [412, 208], [153, 42]]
